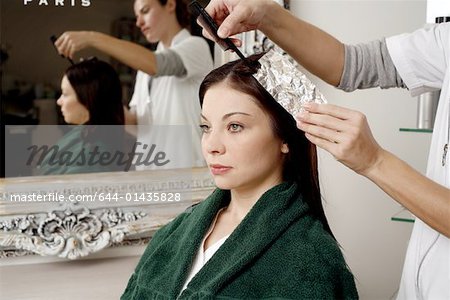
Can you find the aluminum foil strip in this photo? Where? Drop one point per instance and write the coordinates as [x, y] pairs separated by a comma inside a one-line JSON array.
[[281, 77]]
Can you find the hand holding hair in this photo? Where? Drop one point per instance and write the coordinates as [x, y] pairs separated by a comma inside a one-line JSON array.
[[347, 136], [343, 132]]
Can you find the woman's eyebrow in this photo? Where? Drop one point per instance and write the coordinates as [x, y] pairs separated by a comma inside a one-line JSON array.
[[235, 113], [143, 8], [229, 115]]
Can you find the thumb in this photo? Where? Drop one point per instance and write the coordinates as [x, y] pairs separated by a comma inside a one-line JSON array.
[[224, 30], [230, 24]]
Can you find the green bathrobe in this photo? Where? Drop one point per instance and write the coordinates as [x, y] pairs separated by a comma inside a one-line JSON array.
[[278, 251]]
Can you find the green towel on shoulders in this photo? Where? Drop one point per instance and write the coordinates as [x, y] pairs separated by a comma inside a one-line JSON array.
[[278, 251]]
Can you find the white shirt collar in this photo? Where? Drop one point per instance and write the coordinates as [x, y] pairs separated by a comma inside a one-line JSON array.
[[180, 36]]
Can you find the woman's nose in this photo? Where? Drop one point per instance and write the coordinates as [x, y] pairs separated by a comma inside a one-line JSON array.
[[213, 143], [139, 22], [59, 101]]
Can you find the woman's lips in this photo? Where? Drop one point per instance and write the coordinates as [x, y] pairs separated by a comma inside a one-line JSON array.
[[219, 169]]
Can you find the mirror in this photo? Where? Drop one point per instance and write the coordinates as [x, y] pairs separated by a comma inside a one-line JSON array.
[[77, 215]]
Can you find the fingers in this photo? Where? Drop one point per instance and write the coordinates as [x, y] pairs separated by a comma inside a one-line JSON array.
[[342, 132], [331, 110], [63, 44], [218, 10], [233, 23], [324, 126], [71, 42], [228, 24], [231, 17], [59, 45], [235, 41], [324, 133], [322, 143], [323, 120]]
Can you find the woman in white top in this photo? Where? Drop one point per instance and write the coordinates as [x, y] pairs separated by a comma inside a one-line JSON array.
[[167, 82]]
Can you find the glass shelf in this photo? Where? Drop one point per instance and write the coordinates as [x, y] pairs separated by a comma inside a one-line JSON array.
[[403, 216], [416, 130]]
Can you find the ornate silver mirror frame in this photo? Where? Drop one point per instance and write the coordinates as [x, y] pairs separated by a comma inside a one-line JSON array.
[[104, 210]]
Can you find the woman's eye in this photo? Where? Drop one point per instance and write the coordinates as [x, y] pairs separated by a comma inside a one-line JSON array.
[[235, 127], [204, 128]]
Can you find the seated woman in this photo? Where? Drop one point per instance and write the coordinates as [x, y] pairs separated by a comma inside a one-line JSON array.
[[263, 232], [91, 98]]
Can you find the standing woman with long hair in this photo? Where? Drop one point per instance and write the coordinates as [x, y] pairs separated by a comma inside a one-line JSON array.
[[263, 232], [167, 82]]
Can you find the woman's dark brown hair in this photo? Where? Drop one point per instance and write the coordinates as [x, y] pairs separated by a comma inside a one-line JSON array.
[[300, 164], [98, 88]]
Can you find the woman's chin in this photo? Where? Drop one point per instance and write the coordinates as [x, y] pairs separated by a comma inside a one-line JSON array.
[[223, 184], [151, 39]]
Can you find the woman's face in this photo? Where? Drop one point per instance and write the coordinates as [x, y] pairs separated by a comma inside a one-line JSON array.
[[73, 111], [151, 18], [238, 142]]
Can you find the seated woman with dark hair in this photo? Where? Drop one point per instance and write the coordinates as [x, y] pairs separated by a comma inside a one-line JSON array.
[[263, 232], [91, 94], [91, 98]]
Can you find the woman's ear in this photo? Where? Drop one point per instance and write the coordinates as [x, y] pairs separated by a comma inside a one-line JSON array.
[[284, 148], [171, 5]]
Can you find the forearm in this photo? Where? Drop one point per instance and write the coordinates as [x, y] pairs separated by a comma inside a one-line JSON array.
[[131, 54], [314, 49], [426, 199]]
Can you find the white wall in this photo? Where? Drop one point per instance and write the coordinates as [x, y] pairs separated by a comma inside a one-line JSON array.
[[358, 211]]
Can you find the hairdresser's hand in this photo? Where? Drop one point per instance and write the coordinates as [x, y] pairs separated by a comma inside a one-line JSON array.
[[236, 16], [343, 132], [71, 42]]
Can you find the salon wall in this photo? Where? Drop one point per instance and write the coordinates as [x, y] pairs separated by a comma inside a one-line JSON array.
[[358, 211]]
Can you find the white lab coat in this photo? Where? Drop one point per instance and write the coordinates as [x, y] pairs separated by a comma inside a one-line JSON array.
[[423, 60]]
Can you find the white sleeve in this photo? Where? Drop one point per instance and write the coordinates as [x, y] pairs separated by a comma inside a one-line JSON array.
[[196, 57], [422, 57]]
